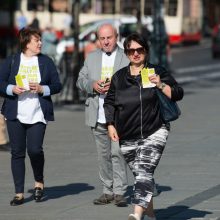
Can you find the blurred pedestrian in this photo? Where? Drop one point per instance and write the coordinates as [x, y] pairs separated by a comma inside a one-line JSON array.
[[94, 79], [4, 144], [91, 45], [133, 118], [49, 42], [67, 24], [27, 80], [21, 21], [35, 22]]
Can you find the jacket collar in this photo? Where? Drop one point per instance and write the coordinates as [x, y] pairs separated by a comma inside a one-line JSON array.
[[128, 68], [17, 59]]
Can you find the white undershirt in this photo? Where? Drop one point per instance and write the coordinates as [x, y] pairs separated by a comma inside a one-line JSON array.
[[29, 109], [106, 72]]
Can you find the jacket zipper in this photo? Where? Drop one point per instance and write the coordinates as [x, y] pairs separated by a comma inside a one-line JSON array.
[[141, 111]]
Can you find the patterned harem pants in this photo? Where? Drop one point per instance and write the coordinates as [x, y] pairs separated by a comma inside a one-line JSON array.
[[142, 157]]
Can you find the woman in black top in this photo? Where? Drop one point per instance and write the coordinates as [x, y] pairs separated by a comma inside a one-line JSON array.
[[133, 117]]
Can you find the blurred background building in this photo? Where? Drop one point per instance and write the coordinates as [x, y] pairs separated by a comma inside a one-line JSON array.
[[163, 22], [202, 15], [58, 12]]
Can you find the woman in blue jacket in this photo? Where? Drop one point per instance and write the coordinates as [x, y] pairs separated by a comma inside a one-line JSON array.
[[27, 81]]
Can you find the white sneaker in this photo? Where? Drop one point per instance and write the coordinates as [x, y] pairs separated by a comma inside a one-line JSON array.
[[133, 217]]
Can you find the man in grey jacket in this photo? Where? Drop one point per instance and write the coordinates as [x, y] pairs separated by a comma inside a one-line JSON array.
[[94, 79]]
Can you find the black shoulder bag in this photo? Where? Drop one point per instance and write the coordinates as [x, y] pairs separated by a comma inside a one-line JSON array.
[[169, 110]]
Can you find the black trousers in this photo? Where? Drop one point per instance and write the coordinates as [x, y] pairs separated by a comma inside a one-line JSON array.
[[22, 137]]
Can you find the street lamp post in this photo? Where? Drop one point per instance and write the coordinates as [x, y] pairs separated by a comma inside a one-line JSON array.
[[12, 39], [157, 32], [160, 38], [76, 54]]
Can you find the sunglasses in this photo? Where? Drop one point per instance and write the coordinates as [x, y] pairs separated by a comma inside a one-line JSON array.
[[139, 50]]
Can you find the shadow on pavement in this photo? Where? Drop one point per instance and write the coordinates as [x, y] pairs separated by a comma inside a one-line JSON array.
[[180, 212], [55, 192], [70, 107], [161, 188]]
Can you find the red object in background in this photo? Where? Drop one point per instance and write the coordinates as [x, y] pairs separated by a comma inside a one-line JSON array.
[[215, 29], [6, 31], [59, 35], [196, 37], [185, 38], [215, 49], [175, 39]]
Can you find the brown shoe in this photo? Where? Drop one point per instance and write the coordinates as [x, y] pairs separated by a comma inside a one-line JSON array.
[[120, 201], [103, 199]]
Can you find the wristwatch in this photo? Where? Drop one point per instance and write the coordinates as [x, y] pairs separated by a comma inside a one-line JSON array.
[[161, 86]]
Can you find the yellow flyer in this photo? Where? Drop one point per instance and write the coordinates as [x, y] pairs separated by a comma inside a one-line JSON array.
[[22, 81], [107, 72], [145, 73]]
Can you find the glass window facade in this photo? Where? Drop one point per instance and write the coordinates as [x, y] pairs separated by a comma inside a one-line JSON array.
[[108, 7], [6, 5], [148, 7], [129, 6], [35, 5], [171, 7]]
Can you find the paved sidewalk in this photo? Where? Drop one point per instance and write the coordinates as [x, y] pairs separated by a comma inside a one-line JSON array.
[[188, 174]]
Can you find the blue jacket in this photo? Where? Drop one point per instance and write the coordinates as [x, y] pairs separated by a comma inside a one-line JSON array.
[[49, 77]]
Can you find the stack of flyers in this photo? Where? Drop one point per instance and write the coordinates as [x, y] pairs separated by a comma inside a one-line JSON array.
[[22, 81]]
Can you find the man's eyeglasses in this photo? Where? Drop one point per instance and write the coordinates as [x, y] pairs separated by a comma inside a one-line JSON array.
[[139, 50]]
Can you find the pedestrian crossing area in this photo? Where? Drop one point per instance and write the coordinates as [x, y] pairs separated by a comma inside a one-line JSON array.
[[197, 73]]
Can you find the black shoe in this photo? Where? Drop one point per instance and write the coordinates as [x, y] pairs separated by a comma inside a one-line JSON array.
[[120, 201], [103, 199], [5, 147], [156, 191], [38, 194], [17, 201]]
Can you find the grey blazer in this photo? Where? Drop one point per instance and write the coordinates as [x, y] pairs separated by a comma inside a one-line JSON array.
[[90, 72]]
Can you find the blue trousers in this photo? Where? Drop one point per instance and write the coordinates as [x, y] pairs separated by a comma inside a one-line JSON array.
[[22, 137]]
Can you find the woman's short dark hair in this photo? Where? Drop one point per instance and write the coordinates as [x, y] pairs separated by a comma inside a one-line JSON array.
[[25, 35], [137, 38]]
